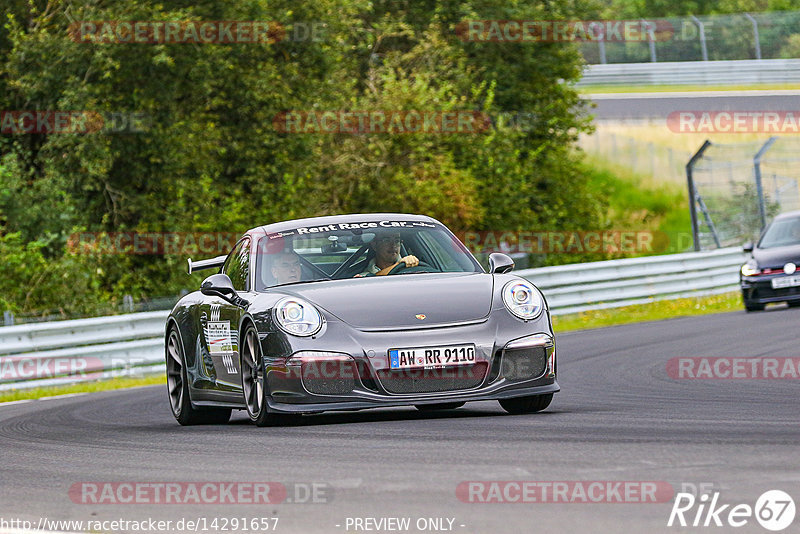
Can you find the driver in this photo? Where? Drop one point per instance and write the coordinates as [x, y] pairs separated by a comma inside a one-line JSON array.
[[386, 248], [286, 268]]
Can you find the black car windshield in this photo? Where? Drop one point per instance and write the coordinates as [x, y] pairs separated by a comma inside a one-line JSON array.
[[781, 233], [358, 250]]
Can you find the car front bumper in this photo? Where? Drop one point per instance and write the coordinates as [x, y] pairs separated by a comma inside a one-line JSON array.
[[759, 290], [348, 369]]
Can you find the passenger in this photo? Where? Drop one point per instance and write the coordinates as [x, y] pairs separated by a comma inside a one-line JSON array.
[[286, 268]]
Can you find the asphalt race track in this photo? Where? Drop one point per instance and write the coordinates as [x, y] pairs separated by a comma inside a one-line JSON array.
[[620, 106], [619, 417]]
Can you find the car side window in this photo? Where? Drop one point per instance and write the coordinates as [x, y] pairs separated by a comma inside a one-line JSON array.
[[237, 266]]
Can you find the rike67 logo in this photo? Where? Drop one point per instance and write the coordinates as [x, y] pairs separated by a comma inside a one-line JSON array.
[[774, 510]]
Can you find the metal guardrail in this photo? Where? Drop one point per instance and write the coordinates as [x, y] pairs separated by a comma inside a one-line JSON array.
[[609, 284], [739, 72], [63, 352]]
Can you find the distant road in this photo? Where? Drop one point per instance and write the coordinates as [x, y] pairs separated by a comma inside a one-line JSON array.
[[618, 106]]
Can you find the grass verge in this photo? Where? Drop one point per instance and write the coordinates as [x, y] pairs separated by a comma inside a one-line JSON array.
[[654, 311], [84, 387]]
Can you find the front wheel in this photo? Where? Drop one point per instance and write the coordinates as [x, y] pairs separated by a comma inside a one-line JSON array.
[[532, 404], [753, 307], [254, 382], [178, 389]]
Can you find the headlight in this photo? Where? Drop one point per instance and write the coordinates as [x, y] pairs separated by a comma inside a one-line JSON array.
[[750, 269], [297, 317], [522, 299]]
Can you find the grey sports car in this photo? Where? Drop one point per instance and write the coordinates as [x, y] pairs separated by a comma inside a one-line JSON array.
[[351, 312]]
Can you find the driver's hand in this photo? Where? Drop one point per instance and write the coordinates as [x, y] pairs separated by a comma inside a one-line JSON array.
[[410, 261]]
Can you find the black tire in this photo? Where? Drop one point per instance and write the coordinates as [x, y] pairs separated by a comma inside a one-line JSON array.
[[751, 307], [254, 387], [178, 389], [532, 404], [440, 406], [794, 304]]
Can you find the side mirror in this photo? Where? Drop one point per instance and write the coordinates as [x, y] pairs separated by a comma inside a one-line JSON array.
[[748, 247], [220, 285], [500, 263]]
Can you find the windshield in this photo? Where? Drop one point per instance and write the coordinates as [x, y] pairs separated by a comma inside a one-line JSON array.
[[359, 250], [781, 233]]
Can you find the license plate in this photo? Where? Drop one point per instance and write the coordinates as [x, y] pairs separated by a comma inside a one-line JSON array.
[[785, 281], [441, 356]]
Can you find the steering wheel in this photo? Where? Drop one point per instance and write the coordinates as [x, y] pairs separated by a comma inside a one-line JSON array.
[[401, 267]]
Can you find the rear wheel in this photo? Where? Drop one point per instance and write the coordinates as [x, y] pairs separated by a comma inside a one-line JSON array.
[[178, 389], [533, 404], [254, 382], [440, 406]]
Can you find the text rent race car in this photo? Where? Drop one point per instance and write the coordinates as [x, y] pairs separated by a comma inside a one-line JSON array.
[[352, 312]]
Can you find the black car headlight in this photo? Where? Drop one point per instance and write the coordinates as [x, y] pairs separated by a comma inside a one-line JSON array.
[[523, 300], [297, 317], [750, 268]]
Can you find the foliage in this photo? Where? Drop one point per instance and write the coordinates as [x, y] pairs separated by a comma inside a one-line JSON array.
[[207, 157]]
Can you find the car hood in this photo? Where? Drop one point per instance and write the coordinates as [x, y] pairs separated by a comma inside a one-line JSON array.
[[403, 301], [775, 258]]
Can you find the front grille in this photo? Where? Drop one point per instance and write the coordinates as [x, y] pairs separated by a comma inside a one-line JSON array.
[[319, 380], [524, 364], [766, 291], [433, 380]]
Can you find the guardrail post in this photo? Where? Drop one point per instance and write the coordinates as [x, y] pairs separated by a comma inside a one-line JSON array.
[[693, 193], [762, 208], [701, 27], [755, 34], [8, 318]]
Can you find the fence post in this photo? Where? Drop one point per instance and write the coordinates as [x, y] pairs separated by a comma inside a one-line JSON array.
[[755, 34], [8, 318], [648, 27], [693, 193], [762, 209], [127, 303], [601, 42], [702, 28]]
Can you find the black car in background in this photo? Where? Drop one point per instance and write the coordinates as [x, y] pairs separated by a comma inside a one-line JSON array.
[[770, 273]]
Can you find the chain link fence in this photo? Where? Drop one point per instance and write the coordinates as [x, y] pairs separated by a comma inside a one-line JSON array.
[[664, 163], [737, 188], [772, 35]]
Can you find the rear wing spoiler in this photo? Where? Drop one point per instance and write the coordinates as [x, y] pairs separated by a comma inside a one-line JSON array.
[[212, 263]]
